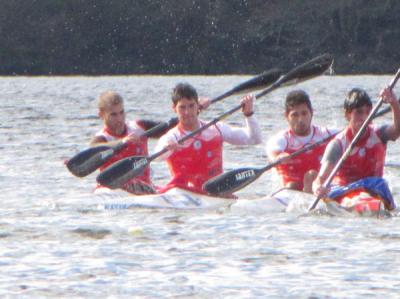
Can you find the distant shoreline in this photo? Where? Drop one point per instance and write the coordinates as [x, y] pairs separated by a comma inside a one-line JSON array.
[[69, 38]]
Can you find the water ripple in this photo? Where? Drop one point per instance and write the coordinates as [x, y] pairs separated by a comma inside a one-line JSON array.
[[56, 241]]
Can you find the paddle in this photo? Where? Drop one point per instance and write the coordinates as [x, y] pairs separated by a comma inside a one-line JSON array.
[[353, 142], [236, 179], [88, 160], [120, 172]]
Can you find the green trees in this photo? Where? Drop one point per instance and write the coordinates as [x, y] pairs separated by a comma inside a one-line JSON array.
[[194, 36]]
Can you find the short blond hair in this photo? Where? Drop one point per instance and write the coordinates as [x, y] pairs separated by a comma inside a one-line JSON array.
[[109, 98]]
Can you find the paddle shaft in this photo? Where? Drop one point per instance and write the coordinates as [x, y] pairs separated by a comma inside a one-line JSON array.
[[354, 141]]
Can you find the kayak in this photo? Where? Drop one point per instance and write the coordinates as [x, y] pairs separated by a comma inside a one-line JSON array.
[[283, 200], [174, 198]]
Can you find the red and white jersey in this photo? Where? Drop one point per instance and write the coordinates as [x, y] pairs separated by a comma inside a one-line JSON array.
[[131, 149], [200, 157], [288, 142], [367, 159]]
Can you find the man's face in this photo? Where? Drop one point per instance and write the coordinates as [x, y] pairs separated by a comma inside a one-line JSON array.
[[357, 117], [299, 119], [187, 111], [114, 118]]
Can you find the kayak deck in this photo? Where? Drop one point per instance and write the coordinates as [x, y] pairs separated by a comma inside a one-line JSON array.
[[173, 199], [283, 200]]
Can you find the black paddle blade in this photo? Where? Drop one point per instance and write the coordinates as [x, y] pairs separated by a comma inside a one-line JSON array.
[[117, 174], [87, 161], [161, 128], [306, 71], [231, 181], [261, 81], [310, 69]]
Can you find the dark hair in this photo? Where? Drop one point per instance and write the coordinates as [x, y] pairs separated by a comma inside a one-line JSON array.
[[184, 90], [356, 98], [295, 98]]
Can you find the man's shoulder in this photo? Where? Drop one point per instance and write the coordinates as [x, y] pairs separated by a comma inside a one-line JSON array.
[[278, 141], [281, 134], [327, 130], [334, 145], [134, 124], [380, 131], [98, 138], [379, 128], [99, 133], [172, 133]]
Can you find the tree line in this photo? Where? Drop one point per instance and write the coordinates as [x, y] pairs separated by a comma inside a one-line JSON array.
[[97, 37]]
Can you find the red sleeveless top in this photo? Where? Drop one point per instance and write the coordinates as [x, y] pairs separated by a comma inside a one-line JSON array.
[[299, 165], [366, 159], [130, 149], [199, 160]]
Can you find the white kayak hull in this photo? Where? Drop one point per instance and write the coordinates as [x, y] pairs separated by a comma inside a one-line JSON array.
[[173, 199], [283, 201]]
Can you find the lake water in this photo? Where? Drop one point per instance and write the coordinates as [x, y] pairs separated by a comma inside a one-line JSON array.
[[53, 247]]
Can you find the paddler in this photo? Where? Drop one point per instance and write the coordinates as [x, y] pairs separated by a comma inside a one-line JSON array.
[[363, 168], [298, 172], [200, 158], [115, 128]]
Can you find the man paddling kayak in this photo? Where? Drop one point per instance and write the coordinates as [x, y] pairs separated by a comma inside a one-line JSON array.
[[299, 172], [200, 158], [363, 168], [111, 111]]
